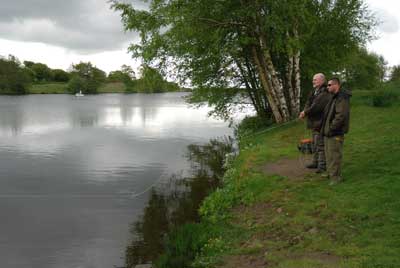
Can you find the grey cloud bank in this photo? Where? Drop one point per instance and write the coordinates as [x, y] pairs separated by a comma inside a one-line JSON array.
[[83, 26]]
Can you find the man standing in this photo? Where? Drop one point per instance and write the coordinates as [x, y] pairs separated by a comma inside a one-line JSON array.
[[335, 124], [313, 110]]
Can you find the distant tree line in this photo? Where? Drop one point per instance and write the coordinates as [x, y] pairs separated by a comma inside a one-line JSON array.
[[17, 77]]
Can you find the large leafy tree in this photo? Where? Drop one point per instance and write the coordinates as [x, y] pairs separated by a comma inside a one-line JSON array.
[[86, 78], [42, 72], [60, 75], [14, 78], [364, 70], [257, 47]]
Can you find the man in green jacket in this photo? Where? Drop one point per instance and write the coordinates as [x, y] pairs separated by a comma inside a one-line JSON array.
[[317, 100], [334, 126]]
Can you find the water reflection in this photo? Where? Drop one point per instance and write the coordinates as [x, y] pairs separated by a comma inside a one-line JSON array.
[[177, 202], [40, 115], [70, 170]]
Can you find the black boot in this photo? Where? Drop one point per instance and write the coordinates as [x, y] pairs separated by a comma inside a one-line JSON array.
[[312, 165]]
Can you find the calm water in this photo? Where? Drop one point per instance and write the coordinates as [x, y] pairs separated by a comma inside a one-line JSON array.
[[75, 172]]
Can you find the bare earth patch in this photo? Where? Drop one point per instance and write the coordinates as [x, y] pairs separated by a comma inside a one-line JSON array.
[[290, 168], [245, 261]]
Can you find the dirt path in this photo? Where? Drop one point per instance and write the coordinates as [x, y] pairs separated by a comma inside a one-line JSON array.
[[290, 168], [255, 250]]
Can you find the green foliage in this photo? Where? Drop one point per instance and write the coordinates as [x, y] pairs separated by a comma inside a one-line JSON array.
[[250, 125], [49, 88], [384, 97], [28, 64], [183, 245], [86, 78], [288, 222], [223, 100], [152, 81], [14, 78], [395, 74], [42, 72], [60, 75], [117, 76], [364, 70], [210, 44], [77, 84], [112, 87], [167, 233]]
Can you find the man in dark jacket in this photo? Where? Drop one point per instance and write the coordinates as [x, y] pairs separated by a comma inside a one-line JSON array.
[[314, 108], [335, 124]]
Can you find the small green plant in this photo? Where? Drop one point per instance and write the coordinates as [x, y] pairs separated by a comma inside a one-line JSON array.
[[183, 244]]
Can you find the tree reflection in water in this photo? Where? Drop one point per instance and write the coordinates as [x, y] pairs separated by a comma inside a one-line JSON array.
[[178, 202]]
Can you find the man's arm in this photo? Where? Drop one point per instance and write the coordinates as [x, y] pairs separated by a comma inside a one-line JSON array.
[[306, 105], [319, 104]]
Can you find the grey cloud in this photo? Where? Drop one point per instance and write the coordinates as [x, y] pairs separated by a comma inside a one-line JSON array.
[[387, 22], [85, 26]]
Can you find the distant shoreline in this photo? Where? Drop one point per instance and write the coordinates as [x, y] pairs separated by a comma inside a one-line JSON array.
[[61, 88]]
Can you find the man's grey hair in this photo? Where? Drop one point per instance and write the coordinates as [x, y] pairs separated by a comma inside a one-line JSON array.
[[322, 76]]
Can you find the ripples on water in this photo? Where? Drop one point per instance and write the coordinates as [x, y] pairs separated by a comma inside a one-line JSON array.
[[71, 170]]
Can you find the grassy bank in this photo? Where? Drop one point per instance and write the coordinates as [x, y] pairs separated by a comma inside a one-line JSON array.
[[61, 88], [112, 87], [48, 88], [270, 213]]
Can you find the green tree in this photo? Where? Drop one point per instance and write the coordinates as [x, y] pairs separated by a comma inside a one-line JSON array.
[[395, 74], [127, 70], [364, 70], [28, 64], [262, 47], [117, 76], [42, 72], [87, 76], [151, 81], [14, 79], [60, 75], [77, 84]]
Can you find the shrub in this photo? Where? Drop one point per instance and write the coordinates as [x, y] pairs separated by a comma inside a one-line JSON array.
[[183, 244], [251, 124], [383, 98], [76, 84]]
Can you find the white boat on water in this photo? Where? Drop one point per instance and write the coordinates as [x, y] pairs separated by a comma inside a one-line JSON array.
[[79, 94]]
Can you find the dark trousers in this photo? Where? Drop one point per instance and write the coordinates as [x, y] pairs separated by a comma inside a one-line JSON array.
[[318, 150]]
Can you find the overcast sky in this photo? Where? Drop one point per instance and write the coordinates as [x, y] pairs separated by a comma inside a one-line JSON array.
[[59, 32]]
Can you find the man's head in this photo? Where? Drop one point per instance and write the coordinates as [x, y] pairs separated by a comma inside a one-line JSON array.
[[318, 80], [334, 85]]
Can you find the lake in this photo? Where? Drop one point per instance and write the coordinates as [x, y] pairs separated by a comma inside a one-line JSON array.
[[75, 173]]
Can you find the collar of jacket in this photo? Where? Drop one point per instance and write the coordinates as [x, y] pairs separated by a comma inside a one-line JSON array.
[[342, 93], [319, 90]]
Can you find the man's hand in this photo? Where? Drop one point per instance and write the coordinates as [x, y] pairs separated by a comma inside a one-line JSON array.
[[302, 115]]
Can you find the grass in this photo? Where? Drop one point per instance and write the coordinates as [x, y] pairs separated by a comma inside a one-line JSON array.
[[307, 223], [48, 88], [61, 88], [112, 87]]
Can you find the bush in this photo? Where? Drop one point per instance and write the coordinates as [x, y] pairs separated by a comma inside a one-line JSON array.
[[76, 84], [13, 78], [383, 98], [251, 124]]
